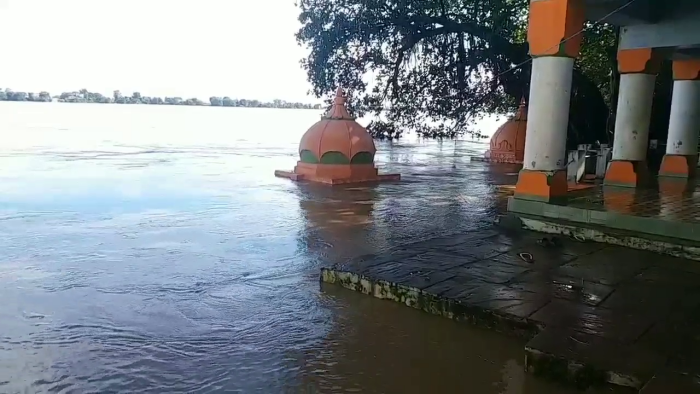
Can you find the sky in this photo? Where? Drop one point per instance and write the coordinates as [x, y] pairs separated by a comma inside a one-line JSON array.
[[187, 48]]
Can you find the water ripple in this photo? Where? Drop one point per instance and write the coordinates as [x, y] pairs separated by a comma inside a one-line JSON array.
[[138, 256]]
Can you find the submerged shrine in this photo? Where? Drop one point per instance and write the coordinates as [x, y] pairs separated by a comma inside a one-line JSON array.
[[337, 150], [508, 142]]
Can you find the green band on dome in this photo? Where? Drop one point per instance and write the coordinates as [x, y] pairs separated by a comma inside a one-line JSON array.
[[362, 158], [306, 156], [334, 157]]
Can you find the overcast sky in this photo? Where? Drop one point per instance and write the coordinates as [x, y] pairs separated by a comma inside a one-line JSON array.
[[187, 48], [200, 48]]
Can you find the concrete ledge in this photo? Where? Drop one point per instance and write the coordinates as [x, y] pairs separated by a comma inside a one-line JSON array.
[[431, 303], [640, 225], [671, 247]]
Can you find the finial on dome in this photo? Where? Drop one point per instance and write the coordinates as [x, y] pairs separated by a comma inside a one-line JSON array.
[[338, 110], [339, 97], [521, 113]]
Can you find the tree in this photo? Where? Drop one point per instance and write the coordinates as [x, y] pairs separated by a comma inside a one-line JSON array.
[[436, 65], [16, 96], [228, 102]]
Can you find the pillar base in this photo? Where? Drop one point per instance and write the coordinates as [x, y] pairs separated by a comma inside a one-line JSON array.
[[627, 173], [545, 186], [679, 166]]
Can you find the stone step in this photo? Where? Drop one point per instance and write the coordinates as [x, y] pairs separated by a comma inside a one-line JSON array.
[[585, 360]]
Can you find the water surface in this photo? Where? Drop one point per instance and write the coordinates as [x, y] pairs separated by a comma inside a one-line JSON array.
[[150, 249]]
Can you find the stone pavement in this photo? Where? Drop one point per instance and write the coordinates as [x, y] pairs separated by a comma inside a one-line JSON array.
[[664, 218], [593, 313]]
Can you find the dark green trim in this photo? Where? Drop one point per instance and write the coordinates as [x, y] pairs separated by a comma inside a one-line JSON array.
[[334, 157], [362, 158], [308, 157]]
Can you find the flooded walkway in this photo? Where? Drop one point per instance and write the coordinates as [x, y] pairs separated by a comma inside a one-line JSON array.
[[150, 249], [595, 313]]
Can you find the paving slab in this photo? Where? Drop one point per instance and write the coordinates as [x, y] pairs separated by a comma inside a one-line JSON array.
[[622, 326], [592, 313], [678, 337], [563, 287], [670, 382], [609, 266]]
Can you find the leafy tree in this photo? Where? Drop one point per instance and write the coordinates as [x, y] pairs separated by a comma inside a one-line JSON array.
[[45, 96], [228, 102], [434, 66], [16, 96]]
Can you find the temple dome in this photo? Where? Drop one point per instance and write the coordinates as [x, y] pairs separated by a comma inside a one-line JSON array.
[[508, 143], [337, 139]]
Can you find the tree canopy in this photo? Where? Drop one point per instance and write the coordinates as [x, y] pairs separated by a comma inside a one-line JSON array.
[[434, 66]]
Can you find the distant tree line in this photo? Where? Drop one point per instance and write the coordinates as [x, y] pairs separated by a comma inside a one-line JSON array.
[[84, 96]]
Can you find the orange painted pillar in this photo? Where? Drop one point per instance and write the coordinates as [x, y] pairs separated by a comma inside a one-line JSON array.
[[681, 159], [638, 69], [552, 33]]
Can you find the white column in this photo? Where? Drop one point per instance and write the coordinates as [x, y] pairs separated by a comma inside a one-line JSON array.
[[633, 116], [548, 113], [684, 125]]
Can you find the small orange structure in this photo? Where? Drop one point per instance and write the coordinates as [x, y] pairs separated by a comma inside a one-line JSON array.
[[337, 150], [508, 143]]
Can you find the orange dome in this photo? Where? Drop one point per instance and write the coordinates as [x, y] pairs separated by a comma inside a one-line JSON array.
[[337, 139], [508, 143]]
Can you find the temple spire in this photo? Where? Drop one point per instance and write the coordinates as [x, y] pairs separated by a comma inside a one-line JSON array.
[[339, 110]]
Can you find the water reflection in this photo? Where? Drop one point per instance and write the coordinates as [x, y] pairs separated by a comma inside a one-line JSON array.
[[338, 219], [150, 249]]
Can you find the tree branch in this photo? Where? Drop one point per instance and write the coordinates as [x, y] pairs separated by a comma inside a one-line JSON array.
[[416, 30]]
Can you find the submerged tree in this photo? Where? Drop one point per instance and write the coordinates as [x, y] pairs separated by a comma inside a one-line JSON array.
[[433, 66]]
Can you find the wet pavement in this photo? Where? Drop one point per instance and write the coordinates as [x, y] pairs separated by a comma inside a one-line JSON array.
[[151, 249], [662, 217], [594, 313]]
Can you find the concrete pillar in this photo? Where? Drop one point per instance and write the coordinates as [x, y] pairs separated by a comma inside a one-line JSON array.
[[548, 113], [638, 69], [681, 158], [552, 33]]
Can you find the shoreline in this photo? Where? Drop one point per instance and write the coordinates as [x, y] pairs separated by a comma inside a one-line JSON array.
[[157, 105]]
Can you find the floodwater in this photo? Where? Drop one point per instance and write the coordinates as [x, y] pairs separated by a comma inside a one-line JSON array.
[[150, 249]]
